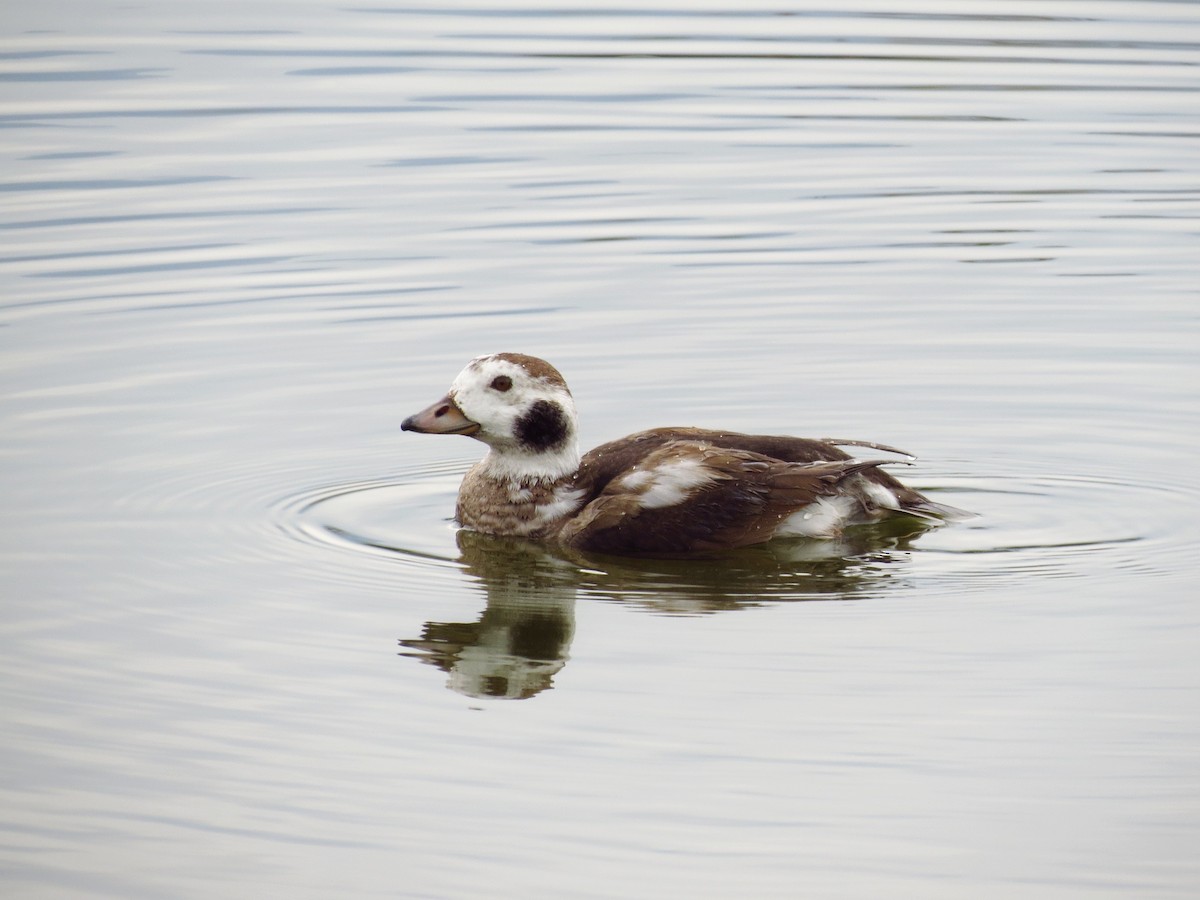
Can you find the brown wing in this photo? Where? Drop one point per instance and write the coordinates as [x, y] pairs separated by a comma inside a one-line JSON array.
[[601, 465], [607, 461], [733, 498]]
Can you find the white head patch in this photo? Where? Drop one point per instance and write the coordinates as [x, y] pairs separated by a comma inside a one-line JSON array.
[[525, 413]]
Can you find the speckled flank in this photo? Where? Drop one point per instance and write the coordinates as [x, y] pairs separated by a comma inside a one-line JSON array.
[[495, 506]]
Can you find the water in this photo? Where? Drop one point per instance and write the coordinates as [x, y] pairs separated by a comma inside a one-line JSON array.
[[243, 650]]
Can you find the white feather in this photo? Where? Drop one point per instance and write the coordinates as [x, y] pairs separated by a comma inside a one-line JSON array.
[[637, 479], [881, 496], [565, 502], [824, 517], [674, 482]]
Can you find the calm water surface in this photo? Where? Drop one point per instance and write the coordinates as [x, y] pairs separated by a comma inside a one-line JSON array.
[[243, 651]]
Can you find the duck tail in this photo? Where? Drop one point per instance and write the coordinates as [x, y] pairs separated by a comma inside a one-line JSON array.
[[910, 503], [870, 445], [937, 512]]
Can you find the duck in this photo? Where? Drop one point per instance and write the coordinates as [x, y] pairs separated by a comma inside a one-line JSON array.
[[669, 492]]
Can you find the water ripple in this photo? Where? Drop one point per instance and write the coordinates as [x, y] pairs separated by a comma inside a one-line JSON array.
[[1032, 526]]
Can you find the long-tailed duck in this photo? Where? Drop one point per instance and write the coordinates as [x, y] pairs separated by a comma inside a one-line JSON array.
[[667, 491]]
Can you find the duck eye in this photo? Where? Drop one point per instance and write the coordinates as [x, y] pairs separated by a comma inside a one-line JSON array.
[[501, 383]]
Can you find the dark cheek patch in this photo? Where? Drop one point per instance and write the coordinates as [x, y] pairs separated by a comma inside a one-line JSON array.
[[544, 427]]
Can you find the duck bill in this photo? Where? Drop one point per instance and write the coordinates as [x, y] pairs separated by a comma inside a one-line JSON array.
[[442, 417]]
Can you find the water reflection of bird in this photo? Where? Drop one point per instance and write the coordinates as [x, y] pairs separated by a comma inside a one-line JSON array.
[[522, 637], [864, 562], [664, 492]]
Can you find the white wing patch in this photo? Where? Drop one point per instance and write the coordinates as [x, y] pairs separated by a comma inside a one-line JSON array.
[[668, 483], [637, 479], [824, 517], [880, 495]]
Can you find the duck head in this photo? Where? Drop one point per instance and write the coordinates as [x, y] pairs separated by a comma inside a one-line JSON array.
[[519, 406]]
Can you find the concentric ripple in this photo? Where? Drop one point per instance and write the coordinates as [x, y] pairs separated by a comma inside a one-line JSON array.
[[1058, 526], [1043, 526], [405, 518]]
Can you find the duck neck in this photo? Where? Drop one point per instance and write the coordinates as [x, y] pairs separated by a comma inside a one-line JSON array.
[[523, 494], [515, 465]]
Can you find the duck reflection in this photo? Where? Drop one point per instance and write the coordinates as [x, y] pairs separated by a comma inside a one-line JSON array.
[[522, 638], [864, 562]]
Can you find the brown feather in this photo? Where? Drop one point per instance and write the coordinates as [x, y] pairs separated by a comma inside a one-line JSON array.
[[744, 497], [666, 491]]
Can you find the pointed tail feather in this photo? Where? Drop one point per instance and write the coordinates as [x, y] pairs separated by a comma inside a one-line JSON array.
[[871, 445], [843, 469], [921, 507]]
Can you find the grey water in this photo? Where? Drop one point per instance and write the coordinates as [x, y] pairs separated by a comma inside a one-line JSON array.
[[243, 649]]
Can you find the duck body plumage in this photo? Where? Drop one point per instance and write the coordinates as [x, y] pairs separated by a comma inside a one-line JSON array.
[[661, 492]]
